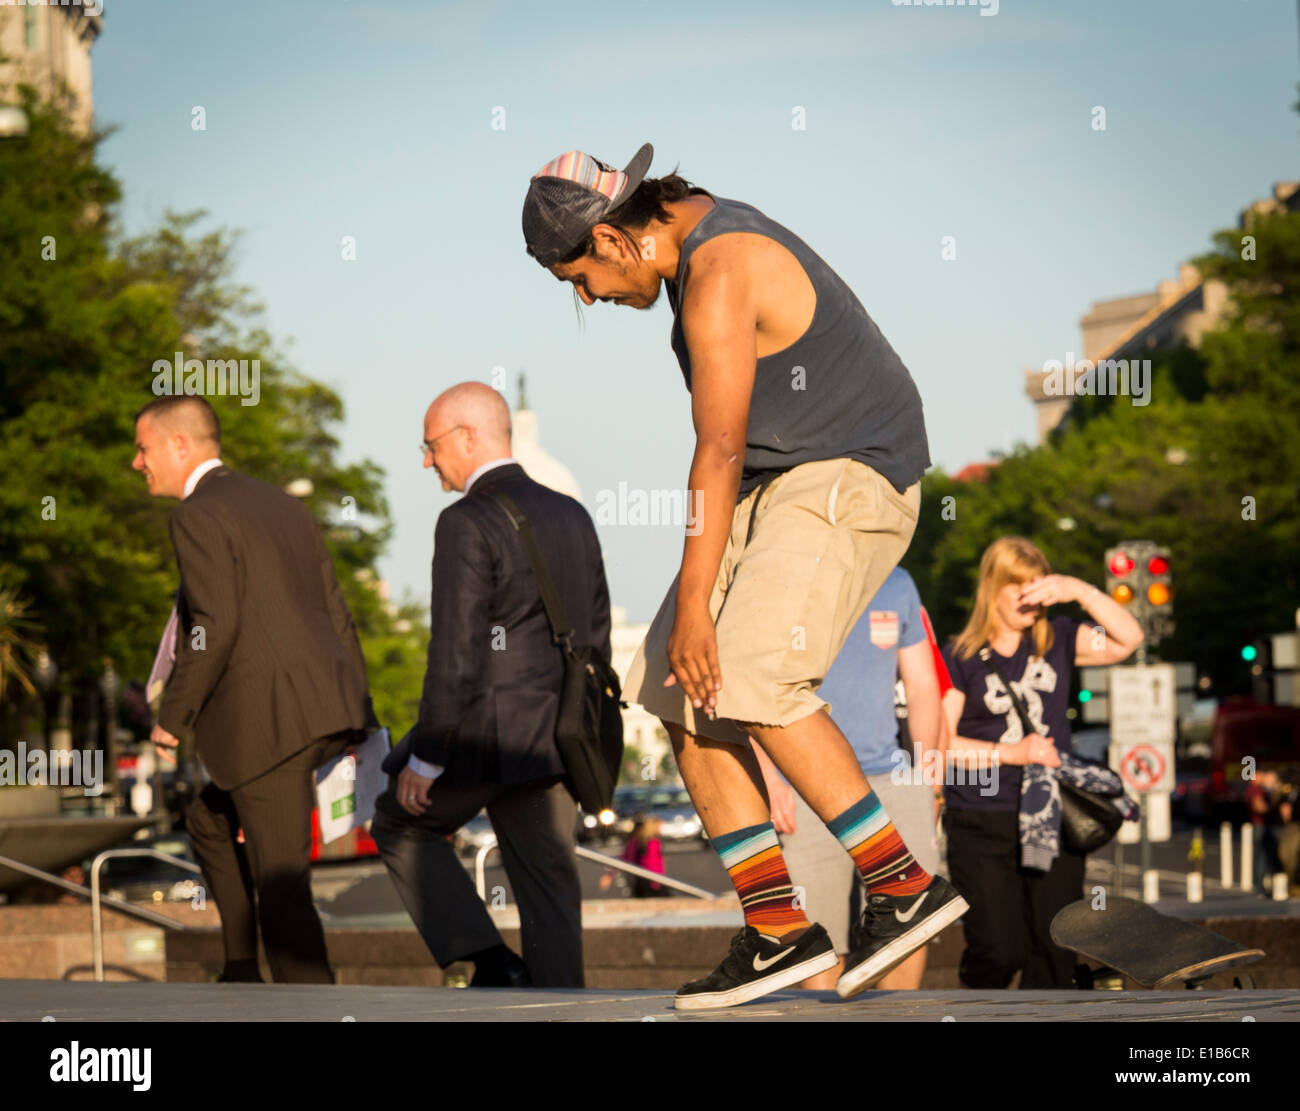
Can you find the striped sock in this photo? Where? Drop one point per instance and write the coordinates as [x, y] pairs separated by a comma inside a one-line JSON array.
[[884, 861], [753, 860]]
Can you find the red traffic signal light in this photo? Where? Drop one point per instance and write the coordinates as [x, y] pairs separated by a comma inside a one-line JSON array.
[[1120, 565], [1158, 565]]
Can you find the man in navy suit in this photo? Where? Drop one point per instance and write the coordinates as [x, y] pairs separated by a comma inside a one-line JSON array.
[[486, 731]]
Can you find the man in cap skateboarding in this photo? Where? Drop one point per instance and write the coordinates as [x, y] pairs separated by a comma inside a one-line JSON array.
[[810, 445]]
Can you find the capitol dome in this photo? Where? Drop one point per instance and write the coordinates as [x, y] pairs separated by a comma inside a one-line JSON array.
[[527, 450]]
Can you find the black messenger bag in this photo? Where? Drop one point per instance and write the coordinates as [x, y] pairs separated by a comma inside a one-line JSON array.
[[589, 725]]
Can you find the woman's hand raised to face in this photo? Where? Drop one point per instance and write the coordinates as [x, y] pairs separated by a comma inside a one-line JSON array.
[[1049, 590]]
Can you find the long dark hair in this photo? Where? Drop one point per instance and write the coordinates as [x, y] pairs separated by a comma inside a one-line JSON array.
[[645, 204]]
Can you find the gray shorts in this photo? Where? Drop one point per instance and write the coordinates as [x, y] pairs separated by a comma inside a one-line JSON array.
[[819, 864]]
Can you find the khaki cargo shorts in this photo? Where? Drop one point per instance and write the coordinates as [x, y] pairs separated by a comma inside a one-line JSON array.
[[825, 537]]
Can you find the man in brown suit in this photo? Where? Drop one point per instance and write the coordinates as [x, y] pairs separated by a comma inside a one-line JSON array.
[[269, 682]]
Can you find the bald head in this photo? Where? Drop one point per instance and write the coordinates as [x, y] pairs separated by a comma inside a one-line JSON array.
[[467, 426], [477, 406]]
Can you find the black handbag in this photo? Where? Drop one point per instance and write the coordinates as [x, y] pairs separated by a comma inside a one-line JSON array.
[[1088, 820], [589, 725]]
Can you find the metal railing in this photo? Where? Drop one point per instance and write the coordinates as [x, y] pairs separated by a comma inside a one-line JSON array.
[[98, 900], [480, 870], [96, 919], [77, 889]]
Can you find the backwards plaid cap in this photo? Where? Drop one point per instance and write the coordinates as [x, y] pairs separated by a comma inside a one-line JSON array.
[[570, 195]]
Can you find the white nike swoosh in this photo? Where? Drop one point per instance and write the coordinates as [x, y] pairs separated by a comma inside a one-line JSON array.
[[760, 963], [912, 911]]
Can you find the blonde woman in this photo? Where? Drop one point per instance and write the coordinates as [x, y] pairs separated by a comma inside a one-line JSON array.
[[1012, 906]]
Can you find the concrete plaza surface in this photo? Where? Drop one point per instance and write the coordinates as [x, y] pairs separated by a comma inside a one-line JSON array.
[[71, 1001]]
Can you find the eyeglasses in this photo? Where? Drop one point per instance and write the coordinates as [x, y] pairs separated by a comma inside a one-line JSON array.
[[430, 447]]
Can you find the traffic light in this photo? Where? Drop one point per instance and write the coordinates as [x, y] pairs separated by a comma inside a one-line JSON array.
[[1259, 655], [1119, 576], [1160, 595], [1138, 577]]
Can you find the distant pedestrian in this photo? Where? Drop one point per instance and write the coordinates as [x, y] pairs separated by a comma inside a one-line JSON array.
[[1012, 906], [1288, 837], [645, 849], [1263, 803]]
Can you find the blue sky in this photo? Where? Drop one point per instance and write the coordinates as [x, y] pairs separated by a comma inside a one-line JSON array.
[[374, 120]]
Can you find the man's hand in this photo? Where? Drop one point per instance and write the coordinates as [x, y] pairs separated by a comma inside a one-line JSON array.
[[413, 792], [780, 797], [693, 656], [164, 742]]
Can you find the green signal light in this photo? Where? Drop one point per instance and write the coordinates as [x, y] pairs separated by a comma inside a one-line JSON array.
[[1085, 696], [1249, 653]]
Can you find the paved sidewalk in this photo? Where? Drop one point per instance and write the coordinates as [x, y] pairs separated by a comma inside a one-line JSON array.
[[34, 1000]]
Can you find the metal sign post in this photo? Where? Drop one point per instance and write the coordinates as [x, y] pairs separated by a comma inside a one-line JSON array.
[[1142, 726]]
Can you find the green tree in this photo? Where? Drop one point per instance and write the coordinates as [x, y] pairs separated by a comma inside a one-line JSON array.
[[84, 315], [1210, 467]]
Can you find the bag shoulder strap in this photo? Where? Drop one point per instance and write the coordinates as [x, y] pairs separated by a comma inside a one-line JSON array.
[[986, 654], [561, 630]]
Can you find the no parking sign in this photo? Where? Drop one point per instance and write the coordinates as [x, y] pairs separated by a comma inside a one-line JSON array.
[[1147, 767]]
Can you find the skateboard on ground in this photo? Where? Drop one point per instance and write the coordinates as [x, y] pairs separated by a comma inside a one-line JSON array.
[[1129, 937]]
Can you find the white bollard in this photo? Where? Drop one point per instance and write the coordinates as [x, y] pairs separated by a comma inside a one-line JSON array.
[[1281, 887], [1150, 886], [1247, 858], [1194, 891], [1225, 854]]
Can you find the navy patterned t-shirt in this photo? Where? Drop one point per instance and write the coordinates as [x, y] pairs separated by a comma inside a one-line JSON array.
[[989, 715]]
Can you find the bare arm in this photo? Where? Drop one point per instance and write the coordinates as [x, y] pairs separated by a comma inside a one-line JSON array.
[[1122, 633], [921, 685], [719, 318], [968, 752]]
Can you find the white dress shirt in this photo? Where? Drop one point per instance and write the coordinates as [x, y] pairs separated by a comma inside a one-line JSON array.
[[198, 473], [477, 474]]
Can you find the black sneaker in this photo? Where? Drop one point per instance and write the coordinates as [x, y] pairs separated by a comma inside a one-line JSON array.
[[756, 965], [892, 927]]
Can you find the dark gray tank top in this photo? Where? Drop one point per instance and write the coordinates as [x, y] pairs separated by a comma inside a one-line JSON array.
[[857, 398]]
